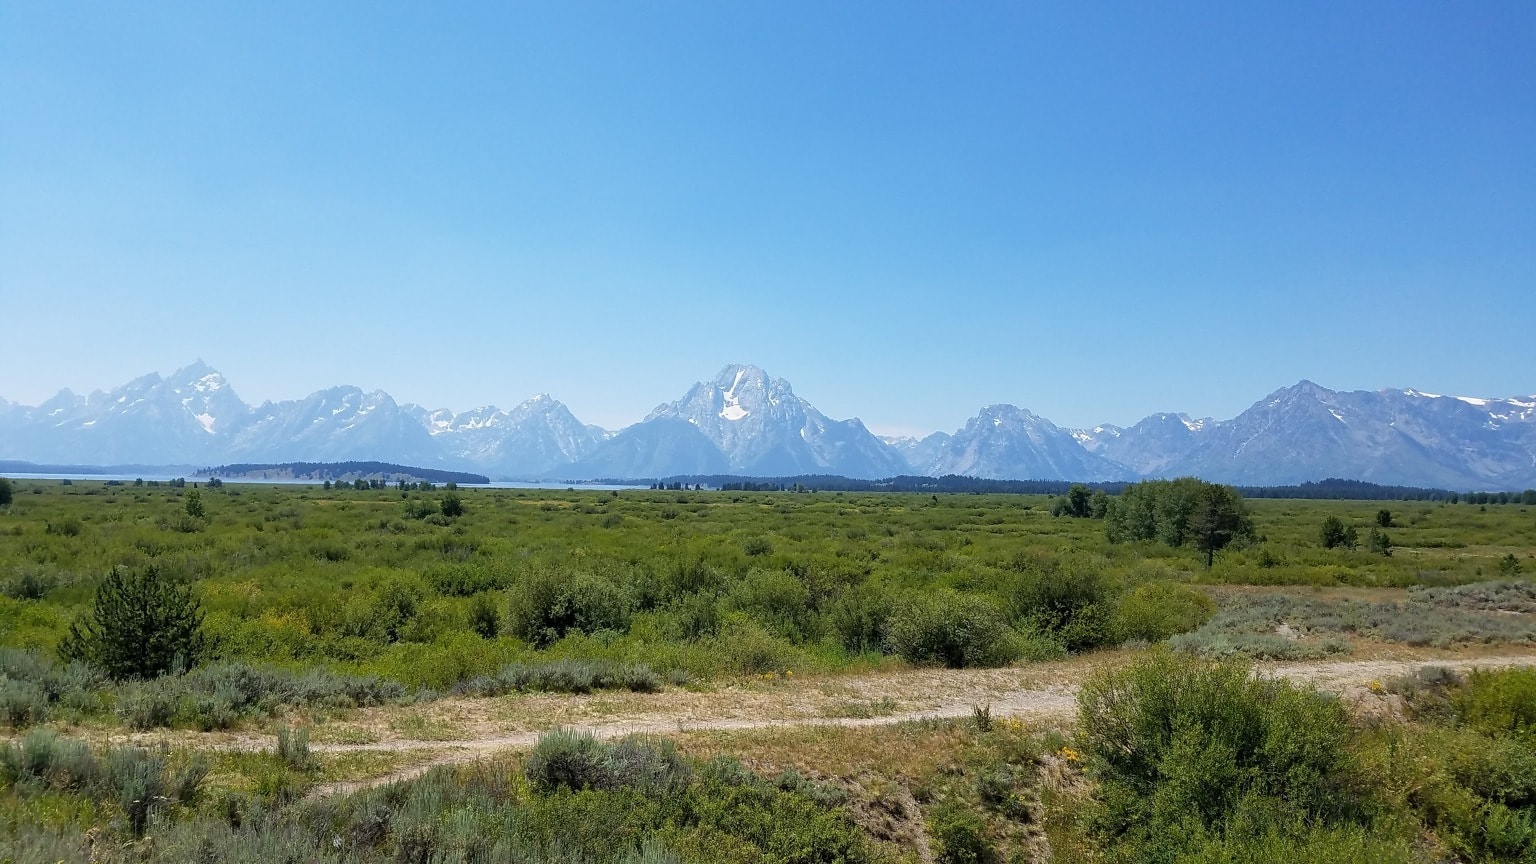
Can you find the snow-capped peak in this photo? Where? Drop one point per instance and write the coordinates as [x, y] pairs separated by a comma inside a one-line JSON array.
[[733, 410]]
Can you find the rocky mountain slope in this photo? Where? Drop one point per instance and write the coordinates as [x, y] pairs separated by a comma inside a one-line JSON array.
[[745, 421]]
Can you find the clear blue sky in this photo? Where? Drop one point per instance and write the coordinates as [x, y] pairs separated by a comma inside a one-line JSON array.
[[1093, 210]]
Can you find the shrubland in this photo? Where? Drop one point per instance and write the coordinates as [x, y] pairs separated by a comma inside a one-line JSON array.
[[702, 585], [296, 604]]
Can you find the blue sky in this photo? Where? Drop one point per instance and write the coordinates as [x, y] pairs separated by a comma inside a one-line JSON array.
[[1096, 211]]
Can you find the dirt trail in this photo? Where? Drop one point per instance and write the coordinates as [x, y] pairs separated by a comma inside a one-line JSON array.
[[472, 728]]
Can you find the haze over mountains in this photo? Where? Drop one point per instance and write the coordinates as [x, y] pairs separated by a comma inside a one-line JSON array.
[[747, 422]]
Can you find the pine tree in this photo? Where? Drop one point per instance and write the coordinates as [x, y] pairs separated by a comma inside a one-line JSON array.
[[1218, 518], [144, 624]]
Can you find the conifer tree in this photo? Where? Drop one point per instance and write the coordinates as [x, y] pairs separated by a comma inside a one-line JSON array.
[[144, 625]]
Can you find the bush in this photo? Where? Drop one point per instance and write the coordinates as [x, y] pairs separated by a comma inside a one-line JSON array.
[[143, 625], [29, 583], [22, 703], [1153, 611], [42, 758], [138, 778], [548, 604], [574, 759], [1070, 604], [1334, 533], [1184, 747], [860, 618], [1501, 701], [563, 676], [951, 629], [959, 835]]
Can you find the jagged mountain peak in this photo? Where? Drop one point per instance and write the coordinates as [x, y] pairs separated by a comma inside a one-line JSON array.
[[762, 427], [745, 421]]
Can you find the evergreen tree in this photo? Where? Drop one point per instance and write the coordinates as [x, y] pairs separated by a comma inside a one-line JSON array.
[[144, 625], [5, 492], [1335, 533], [1219, 517]]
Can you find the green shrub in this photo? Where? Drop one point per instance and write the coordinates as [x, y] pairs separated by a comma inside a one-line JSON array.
[[567, 759], [959, 835], [22, 703], [1069, 602], [1497, 701], [860, 618], [29, 583], [137, 776], [547, 604], [1182, 748], [1153, 611], [574, 759], [563, 676], [951, 629], [293, 749], [147, 706], [43, 758]]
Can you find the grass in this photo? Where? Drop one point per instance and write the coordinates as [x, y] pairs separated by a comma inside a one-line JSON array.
[[1288, 626], [335, 609]]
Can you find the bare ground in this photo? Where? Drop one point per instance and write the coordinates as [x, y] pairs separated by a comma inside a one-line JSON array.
[[463, 730]]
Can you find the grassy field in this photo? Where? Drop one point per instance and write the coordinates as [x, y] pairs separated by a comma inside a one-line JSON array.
[[397, 637]]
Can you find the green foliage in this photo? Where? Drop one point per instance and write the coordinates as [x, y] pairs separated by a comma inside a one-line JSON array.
[[1334, 534], [1219, 517], [959, 835], [22, 703], [564, 676], [452, 505], [547, 604], [1069, 602], [137, 781], [1468, 769], [951, 629], [1153, 611], [484, 618], [1185, 749], [1174, 512], [292, 577], [1079, 503], [1509, 566], [144, 624], [575, 760], [1380, 543], [293, 749], [6, 492], [194, 505], [1498, 702]]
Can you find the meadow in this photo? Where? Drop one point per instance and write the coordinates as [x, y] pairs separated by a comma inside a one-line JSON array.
[[331, 614]]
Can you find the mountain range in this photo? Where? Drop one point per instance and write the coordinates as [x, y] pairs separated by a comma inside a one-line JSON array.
[[747, 422]]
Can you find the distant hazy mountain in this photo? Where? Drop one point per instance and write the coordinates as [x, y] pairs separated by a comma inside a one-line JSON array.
[[180, 419], [747, 422], [764, 429], [1403, 437], [1149, 448], [342, 424], [1004, 442], [660, 447], [532, 440]]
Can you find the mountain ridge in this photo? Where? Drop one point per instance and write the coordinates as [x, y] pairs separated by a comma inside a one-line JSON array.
[[744, 421]]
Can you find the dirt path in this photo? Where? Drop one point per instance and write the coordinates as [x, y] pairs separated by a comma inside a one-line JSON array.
[[465, 730]]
